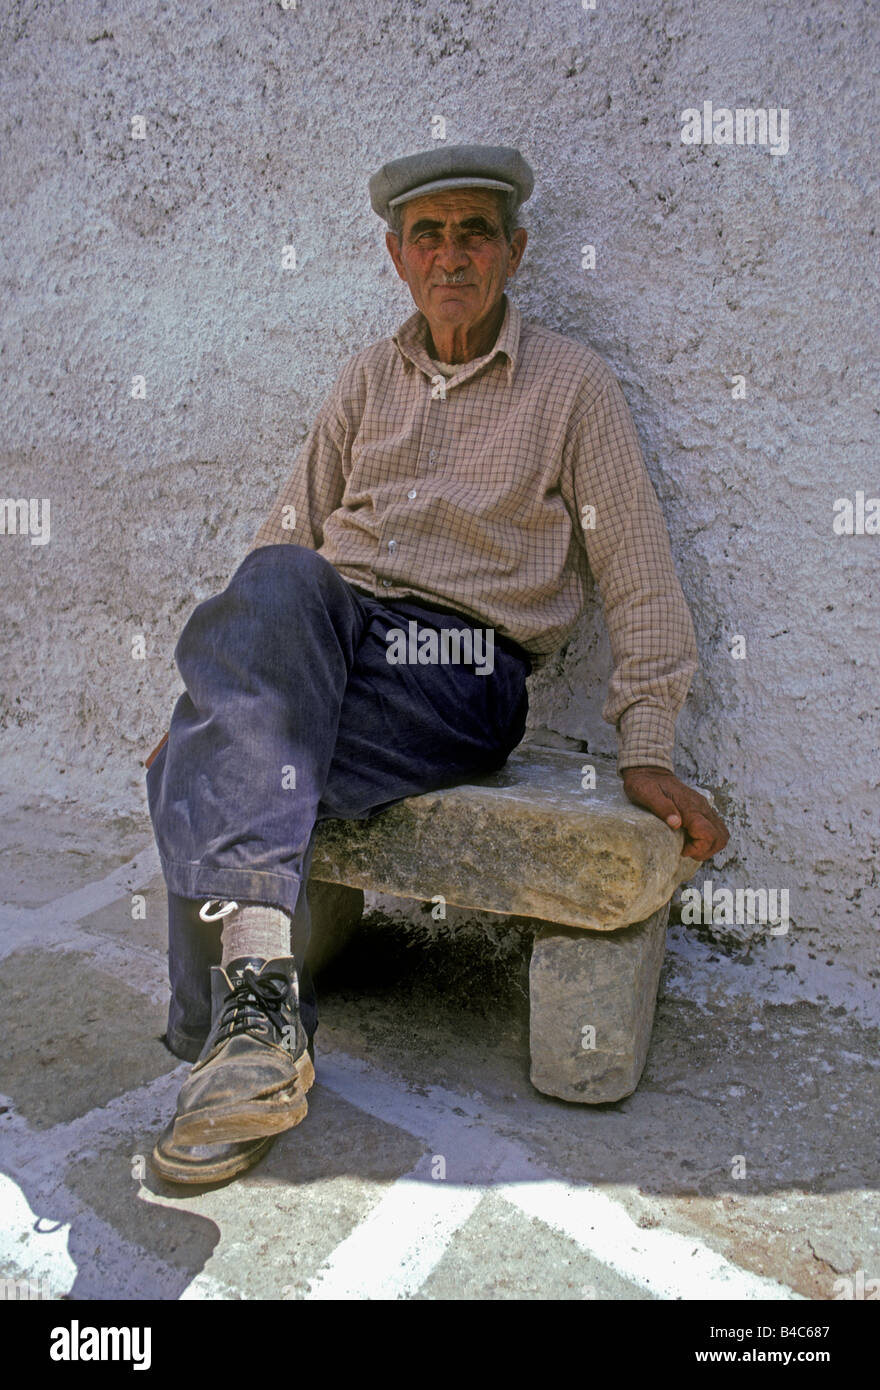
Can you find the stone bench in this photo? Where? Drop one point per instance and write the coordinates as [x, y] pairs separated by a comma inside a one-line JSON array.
[[595, 871]]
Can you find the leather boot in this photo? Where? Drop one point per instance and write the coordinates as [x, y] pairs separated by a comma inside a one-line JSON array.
[[252, 1075]]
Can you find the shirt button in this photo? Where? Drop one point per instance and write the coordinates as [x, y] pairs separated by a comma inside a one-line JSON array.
[[386, 583], [412, 493], [392, 545]]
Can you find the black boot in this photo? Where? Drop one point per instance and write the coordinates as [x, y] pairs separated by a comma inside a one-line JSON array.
[[252, 1075]]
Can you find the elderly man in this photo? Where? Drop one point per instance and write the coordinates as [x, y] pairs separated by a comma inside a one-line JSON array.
[[458, 483]]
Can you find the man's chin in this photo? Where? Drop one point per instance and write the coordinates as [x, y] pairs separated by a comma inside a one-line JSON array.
[[456, 311]]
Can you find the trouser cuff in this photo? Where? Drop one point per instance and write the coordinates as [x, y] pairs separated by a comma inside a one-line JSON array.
[[234, 885]]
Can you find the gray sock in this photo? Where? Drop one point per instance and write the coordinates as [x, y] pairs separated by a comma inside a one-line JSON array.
[[255, 930]]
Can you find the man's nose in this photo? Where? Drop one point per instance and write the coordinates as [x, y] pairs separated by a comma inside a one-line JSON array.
[[452, 255]]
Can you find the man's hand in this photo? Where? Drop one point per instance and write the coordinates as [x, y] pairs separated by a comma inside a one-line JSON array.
[[679, 806]]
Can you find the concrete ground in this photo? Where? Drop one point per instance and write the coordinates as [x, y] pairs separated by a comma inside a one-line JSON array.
[[745, 1166]]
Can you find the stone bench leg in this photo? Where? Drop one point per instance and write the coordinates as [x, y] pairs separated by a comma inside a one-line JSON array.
[[592, 998], [336, 912]]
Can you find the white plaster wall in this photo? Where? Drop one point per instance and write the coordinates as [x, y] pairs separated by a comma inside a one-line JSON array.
[[163, 257]]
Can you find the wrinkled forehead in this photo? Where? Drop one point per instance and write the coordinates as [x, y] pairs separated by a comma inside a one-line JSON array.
[[454, 206]]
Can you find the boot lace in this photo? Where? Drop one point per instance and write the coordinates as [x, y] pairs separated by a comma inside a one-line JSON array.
[[252, 1000]]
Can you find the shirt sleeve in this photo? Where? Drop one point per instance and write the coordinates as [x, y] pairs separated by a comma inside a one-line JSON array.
[[316, 483], [618, 518]]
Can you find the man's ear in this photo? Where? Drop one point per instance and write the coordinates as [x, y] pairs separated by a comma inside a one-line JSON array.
[[518, 246], [393, 245]]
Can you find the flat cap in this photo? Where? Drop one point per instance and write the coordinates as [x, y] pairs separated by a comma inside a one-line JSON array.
[[451, 166]]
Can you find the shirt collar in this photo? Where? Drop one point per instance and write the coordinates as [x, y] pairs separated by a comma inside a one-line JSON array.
[[411, 336]]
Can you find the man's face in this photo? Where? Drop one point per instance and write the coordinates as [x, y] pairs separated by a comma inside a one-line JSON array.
[[455, 233]]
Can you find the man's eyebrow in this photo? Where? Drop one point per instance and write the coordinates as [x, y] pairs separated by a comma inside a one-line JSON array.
[[424, 224], [479, 220], [429, 224]]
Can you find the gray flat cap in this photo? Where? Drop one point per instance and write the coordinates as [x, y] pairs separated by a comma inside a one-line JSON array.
[[451, 166]]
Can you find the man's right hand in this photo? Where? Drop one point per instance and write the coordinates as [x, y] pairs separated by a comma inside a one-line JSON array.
[[680, 806]]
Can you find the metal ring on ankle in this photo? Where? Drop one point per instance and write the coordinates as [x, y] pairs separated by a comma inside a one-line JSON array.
[[225, 909]]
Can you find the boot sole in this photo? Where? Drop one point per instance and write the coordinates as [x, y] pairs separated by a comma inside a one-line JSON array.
[[256, 1119], [203, 1169]]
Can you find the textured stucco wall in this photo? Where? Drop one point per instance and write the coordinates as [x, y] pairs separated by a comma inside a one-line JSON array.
[[162, 257]]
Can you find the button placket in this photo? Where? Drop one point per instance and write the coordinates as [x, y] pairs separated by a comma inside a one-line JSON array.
[[434, 459]]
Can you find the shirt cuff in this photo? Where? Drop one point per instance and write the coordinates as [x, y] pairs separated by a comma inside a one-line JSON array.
[[646, 737]]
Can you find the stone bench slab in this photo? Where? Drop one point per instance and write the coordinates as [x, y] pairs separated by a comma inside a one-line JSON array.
[[526, 841]]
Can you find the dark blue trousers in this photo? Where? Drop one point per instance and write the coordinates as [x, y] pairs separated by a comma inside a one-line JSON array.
[[292, 714]]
